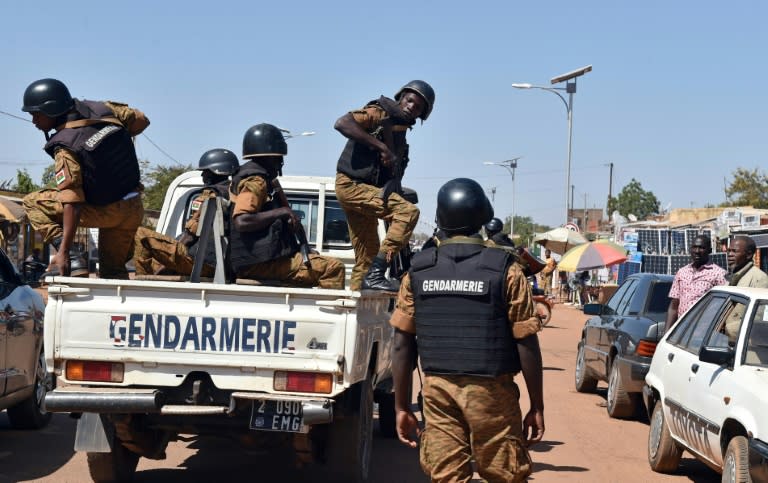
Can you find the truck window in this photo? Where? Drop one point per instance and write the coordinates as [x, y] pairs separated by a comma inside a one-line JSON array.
[[336, 232]]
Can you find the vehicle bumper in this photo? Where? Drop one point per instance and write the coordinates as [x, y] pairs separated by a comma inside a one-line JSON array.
[[316, 410], [633, 373]]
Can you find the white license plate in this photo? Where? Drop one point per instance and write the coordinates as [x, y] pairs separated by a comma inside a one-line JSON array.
[[286, 416]]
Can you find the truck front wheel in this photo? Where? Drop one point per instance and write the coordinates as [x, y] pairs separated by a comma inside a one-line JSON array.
[[350, 438], [117, 465]]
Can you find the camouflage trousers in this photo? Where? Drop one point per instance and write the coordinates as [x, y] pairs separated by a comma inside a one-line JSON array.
[[117, 223], [546, 283], [470, 416], [326, 272], [158, 254], [364, 208]]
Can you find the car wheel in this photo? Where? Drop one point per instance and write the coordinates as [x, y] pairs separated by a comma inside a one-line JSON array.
[[584, 382], [387, 415], [544, 312], [736, 462], [663, 452], [29, 414], [350, 440], [621, 404], [117, 465]]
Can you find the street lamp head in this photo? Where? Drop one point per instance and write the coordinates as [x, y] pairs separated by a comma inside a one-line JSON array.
[[522, 86], [571, 75]]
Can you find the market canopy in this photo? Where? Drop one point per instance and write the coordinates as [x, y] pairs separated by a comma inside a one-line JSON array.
[[10, 211], [559, 240]]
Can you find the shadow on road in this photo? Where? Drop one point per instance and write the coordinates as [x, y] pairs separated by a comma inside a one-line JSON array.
[[30, 454]]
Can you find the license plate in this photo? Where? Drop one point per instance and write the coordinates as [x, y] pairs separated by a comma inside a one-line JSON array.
[[283, 416]]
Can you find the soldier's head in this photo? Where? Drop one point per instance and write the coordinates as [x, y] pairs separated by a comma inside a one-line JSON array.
[[462, 207], [48, 100], [416, 98], [265, 144], [493, 227], [217, 165]]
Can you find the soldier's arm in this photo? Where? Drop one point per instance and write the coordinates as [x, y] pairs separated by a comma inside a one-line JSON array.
[[246, 215], [356, 126], [133, 119], [403, 362]]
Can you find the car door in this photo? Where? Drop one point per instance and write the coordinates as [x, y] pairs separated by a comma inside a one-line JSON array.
[[611, 325], [594, 353], [709, 384], [23, 333], [681, 354]]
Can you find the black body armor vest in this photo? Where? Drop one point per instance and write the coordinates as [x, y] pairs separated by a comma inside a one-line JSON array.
[[222, 191], [275, 241], [462, 325], [105, 153], [361, 163]]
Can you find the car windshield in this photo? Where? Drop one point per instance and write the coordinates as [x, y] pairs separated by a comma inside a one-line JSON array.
[[757, 338], [659, 301]]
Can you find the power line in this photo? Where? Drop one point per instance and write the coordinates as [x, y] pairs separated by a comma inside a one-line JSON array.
[[15, 116], [161, 150]]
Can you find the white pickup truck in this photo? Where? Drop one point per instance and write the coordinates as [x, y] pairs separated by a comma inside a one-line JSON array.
[[142, 361]]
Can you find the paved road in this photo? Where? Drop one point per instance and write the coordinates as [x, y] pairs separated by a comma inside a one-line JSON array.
[[581, 443]]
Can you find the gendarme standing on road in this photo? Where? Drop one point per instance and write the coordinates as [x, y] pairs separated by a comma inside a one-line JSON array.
[[468, 311]]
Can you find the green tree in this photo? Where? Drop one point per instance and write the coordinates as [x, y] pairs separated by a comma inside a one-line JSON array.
[[633, 199], [49, 179], [748, 188], [156, 181], [525, 228], [24, 183]]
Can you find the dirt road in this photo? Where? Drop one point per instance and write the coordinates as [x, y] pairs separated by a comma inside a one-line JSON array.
[[581, 443]]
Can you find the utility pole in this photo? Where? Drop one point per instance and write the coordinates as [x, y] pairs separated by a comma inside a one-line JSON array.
[[584, 228], [570, 210], [493, 194], [610, 181]]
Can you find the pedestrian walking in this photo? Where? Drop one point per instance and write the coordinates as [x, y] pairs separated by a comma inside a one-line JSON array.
[[96, 173], [368, 178], [468, 311]]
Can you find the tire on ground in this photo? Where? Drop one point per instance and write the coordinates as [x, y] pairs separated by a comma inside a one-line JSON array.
[[350, 436], [387, 415], [584, 382], [663, 452], [620, 404], [736, 461], [29, 413]]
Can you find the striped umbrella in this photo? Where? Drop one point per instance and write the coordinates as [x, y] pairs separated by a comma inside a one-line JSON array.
[[596, 254]]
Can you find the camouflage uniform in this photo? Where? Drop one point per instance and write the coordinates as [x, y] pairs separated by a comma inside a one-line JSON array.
[[117, 222], [158, 254], [364, 207], [326, 272], [471, 416]]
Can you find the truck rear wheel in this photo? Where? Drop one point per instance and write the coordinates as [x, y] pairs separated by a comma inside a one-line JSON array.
[[350, 438], [387, 415], [117, 465]]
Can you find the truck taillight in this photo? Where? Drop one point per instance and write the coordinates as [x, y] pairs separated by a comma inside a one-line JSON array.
[[95, 371], [303, 382], [646, 348]]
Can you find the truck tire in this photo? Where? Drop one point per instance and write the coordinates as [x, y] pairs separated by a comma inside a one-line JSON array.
[[115, 466], [29, 413], [387, 415], [350, 438]]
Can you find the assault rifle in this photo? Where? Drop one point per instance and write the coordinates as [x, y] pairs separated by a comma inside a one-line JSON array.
[[384, 132], [298, 231]]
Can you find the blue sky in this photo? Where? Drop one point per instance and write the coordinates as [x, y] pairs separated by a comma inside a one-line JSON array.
[[674, 99]]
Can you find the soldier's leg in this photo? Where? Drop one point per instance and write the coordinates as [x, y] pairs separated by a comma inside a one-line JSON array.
[[402, 216], [493, 412], [445, 452], [45, 213], [117, 223], [363, 208], [155, 253]]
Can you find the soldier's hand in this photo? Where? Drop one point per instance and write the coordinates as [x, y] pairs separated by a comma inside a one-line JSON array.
[[59, 263], [533, 426], [407, 425], [387, 157], [292, 218]]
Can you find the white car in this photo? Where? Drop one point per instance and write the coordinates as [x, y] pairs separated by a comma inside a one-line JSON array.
[[707, 388]]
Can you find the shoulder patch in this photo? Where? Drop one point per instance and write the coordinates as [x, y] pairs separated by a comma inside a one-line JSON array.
[[61, 176]]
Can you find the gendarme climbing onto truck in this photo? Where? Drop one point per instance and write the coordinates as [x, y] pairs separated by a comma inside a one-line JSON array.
[[142, 361]]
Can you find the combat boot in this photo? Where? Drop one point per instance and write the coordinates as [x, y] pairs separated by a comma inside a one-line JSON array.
[[78, 267], [376, 278]]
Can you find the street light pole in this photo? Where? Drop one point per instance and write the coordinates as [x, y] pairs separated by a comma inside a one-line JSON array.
[[510, 165], [570, 88]]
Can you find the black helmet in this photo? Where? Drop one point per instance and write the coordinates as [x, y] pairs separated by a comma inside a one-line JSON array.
[[220, 161], [264, 140], [494, 226], [49, 96], [462, 206], [422, 89]]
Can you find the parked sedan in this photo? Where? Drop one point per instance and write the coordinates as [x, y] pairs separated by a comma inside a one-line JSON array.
[[708, 387], [617, 344], [24, 379]]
